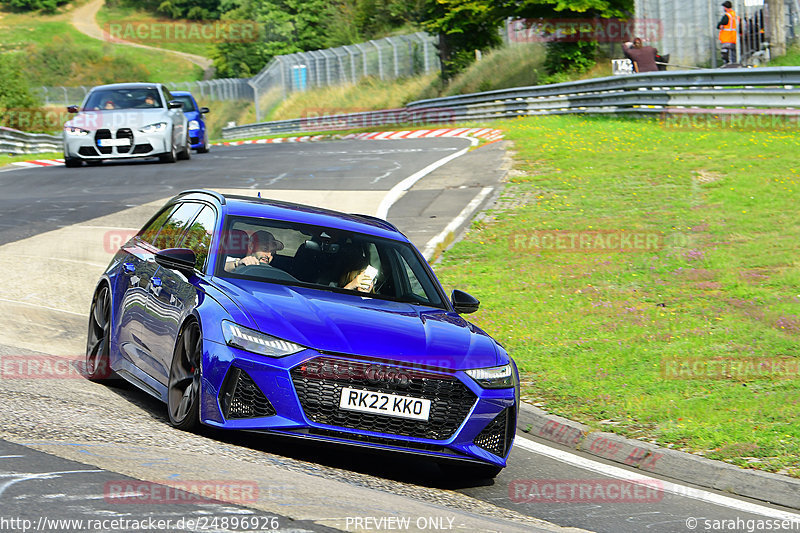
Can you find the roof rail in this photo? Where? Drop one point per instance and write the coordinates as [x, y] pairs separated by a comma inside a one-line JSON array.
[[215, 194]]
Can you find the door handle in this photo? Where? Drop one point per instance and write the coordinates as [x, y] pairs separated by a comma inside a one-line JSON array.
[[129, 268]]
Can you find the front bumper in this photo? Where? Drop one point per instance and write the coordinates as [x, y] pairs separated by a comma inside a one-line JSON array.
[[123, 143], [299, 395], [196, 138]]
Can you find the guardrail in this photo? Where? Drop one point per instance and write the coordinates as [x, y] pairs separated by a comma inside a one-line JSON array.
[[705, 91], [16, 142]]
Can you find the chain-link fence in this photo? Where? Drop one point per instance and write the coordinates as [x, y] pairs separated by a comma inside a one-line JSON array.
[[388, 58], [221, 89]]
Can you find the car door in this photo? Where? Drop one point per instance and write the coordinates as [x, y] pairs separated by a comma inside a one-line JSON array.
[[135, 273], [178, 295], [152, 323]]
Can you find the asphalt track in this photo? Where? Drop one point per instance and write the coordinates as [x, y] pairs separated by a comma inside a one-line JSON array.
[[48, 269]]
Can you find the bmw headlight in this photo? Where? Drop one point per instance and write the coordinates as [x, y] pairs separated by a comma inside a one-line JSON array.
[[154, 128], [254, 341], [79, 132], [194, 125], [497, 377]]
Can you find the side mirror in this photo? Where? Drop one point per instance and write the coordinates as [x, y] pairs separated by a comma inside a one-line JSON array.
[[204, 110], [181, 259], [175, 104], [72, 109], [464, 303]]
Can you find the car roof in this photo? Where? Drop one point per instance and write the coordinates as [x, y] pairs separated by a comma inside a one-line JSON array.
[[248, 206], [181, 93], [128, 86]]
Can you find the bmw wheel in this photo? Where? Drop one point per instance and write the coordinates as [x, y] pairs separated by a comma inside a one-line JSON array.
[[99, 338], [186, 153], [183, 394], [171, 156], [72, 162]]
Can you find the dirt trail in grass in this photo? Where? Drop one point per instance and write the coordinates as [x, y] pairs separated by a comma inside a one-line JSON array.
[[84, 20]]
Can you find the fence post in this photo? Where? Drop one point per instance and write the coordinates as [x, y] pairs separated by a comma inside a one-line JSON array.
[[364, 53], [380, 59], [394, 56]]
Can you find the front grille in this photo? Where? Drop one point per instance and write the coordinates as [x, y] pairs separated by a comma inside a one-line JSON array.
[[319, 384], [497, 436], [125, 133], [102, 134], [240, 397]]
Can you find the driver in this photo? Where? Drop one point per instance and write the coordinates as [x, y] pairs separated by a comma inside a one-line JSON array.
[[260, 250]]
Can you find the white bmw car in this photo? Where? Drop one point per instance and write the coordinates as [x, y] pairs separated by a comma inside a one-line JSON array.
[[125, 121]]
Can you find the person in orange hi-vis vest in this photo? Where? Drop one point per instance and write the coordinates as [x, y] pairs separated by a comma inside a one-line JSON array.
[[728, 30]]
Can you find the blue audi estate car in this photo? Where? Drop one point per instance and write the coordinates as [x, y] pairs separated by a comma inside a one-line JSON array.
[[198, 134], [271, 317]]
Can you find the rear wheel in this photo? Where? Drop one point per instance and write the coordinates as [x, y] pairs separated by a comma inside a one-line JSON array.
[[183, 395], [99, 339]]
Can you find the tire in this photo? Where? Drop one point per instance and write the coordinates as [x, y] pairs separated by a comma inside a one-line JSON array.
[[469, 471], [205, 148], [169, 157], [186, 153], [73, 162], [185, 376], [98, 340]]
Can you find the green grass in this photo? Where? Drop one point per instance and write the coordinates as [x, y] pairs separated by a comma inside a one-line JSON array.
[[125, 14], [57, 54], [590, 331], [791, 59], [6, 159], [511, 66]]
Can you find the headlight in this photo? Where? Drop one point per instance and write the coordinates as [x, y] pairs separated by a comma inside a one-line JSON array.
[[498, 377], [194, 125], [154, 128], [254, 341], [72, 130]]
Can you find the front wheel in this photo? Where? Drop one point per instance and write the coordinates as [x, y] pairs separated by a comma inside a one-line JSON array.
[[183, 394], [186, 153], [205, 147], [171, 156], [72, 162]]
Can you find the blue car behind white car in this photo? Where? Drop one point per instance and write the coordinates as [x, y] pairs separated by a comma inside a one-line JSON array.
[[198, 134], [263, 316]]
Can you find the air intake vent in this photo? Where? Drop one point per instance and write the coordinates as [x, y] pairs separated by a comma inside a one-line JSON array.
[[240, 397]]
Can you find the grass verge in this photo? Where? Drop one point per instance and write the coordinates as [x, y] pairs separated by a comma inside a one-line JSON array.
[[692, 344], [57, 54]]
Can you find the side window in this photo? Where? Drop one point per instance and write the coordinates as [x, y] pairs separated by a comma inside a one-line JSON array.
[[168, 95], [198, 237], [148, 234], [173, 228], [414, 285]]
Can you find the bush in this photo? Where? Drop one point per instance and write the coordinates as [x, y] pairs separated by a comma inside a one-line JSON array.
[[574, 57], [48, 6]]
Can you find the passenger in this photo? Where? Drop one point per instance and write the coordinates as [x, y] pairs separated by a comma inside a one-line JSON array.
[[109, 105]]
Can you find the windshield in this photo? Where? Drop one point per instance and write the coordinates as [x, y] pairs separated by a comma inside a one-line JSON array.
[[188, 104], [323, 258], [107, 99]]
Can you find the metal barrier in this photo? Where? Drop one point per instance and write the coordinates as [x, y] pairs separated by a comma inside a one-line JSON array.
[[16, 142], [705, 91]]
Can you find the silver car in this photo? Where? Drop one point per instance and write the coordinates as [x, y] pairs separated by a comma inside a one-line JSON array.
[[124, 121]]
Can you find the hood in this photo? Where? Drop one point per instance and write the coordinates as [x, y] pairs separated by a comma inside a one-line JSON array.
[[351, 324], [118, 118]]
